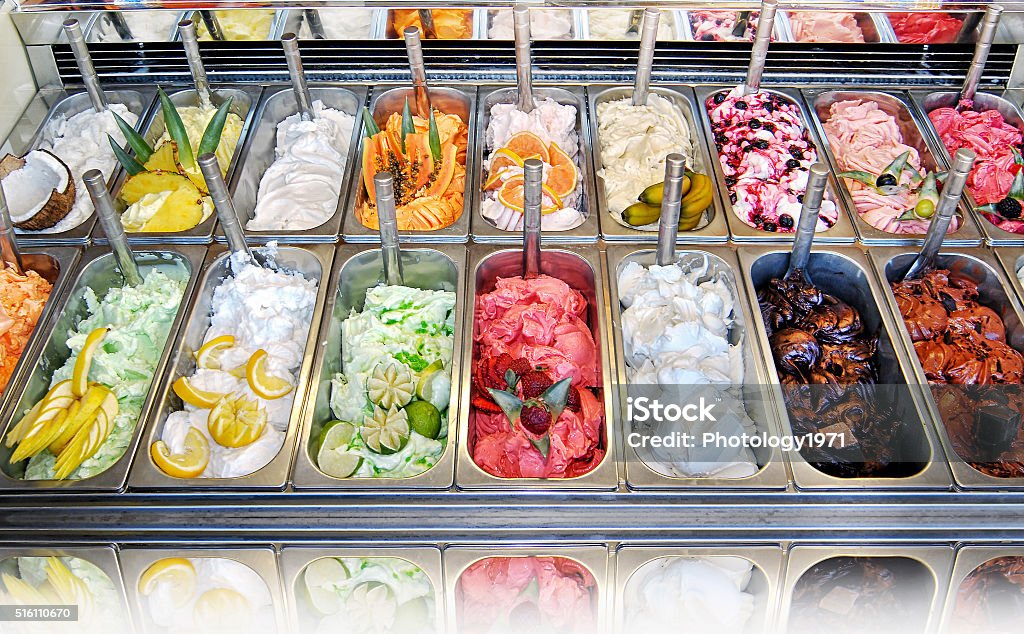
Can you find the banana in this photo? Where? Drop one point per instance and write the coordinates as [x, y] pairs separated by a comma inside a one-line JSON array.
[[640, 214], [653, 194]]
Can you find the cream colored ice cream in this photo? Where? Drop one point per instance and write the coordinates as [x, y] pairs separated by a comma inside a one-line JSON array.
[[545, 24], [300, 189], [612, 24], [634, 143], [241, 24]]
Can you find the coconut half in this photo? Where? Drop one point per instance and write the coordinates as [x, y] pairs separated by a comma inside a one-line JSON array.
[[39, 188]]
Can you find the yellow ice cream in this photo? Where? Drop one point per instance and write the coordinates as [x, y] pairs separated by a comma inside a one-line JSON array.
[[195, 120], [241, 24]]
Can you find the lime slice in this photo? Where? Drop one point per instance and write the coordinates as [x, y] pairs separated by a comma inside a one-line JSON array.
[[323, 433], [320, 578], [424, 419], [435, 385], [332, 457]]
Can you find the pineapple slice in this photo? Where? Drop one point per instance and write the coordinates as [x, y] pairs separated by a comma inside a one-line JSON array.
[[164, 159], [182, 210], [144, 183]]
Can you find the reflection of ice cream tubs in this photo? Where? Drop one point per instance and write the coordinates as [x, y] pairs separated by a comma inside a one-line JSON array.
[[678, 25], [840, 233], [258, 155], [472, 21], [580, 267], [635, 564], [389, 100], [95, 567], [276, 24], [305, 616], [539, 31], [780, 30], [845, 274], [248, 577], [885, 24], [53, 264], [103, 30], [1005, 615], [483, 229], [98, 272], [873, 32], [713, 227], [897, 106], [48, 28], [772, 473], [360, 268], [29, 134], [313, 262], [979, 266], [921, 573], [592, 559], [295, 22], [928, 101]]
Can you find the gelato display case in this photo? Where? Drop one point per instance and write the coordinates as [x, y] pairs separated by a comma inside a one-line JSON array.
[[322, 432]]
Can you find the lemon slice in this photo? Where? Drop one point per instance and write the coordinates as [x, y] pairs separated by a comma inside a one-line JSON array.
[[70, 589], [266, 385], [321, 577], [22, 592], [390, 385], [332, 457], [194, 396], [80, 376], [176, 573], [236, 421], [386, 432], [435, 385], [222, 609], [208, 356], [184, 465]]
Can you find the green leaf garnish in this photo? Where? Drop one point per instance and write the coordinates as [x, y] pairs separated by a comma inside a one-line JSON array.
[[542, 444], [408, 126], [215, 129], [511, 379], [127, 161], [370, 126], [176, 130], [556, 396], [135, 141], [434, 138], [509, 403]]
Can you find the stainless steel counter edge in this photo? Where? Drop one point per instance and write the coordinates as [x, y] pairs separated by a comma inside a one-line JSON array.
[[304, 474], [773, 474], [274, 475], [114, 477]]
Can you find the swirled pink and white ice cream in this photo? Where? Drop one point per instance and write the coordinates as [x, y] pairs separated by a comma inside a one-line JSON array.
[[825, 26]]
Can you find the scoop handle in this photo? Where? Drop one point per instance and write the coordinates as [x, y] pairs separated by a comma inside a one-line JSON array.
[[817, 178], [524, 72], [110, 220], [989, 23], [418, 69], [387, 221], [209, 18], [73, 30], [120, 26], [949, 199], [189, 40], [671, 202], [8, 243], [759, 54], [290, 44], [316, 25], [645, 62], [533, 175], [427, 20], [223, 204]]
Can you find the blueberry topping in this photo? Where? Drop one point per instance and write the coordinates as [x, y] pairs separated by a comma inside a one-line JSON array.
[[718, 146], [730, 181], [796, 153], [720, 97], [754, 124], [770, 226], [769, 107], [747, 148], [800, 198], [761, 144], [792, 164], [741, 105], [786, 222], [721, 138], [769, 127]]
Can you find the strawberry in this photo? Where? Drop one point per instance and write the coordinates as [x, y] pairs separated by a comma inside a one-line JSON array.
[[485, 404], [572, 403], [535, 420], [520, 366], [533, 384]]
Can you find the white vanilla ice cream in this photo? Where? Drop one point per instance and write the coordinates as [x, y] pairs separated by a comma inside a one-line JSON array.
[[676, 327], [710, 595], [612, 24], [81, 142], [263, 309], [341, 24], [553, 123], [300, 189], [545, 24], [634, 143]]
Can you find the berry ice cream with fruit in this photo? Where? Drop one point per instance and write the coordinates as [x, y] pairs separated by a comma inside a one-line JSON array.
[[765, 153]]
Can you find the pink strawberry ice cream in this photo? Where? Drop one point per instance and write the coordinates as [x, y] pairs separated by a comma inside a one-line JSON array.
[[925, 28], [535, 330], [864, 137], [717, 26], [993, 139], [765, 154], [825, 26], [526, 594]]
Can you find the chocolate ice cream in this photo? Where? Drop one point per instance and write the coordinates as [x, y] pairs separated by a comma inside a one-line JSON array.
[[991, 598]]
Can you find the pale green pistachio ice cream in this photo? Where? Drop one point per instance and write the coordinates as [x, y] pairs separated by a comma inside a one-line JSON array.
[[398, 325], [139, 319]]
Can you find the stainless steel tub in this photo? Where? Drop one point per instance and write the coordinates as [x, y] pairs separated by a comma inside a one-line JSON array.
[[55, 265], [592, 557], [98, 271], [633, 562], [313, 262], [35, 127], [898, 106], [483, 229], [928, 101], [713, 227], [968, 559], [303, 616], [294, 21], [581, 268], [639, 475], [114, 616], [277, 104], [927, 565], [840, 233], [1012, 261], [980, 266], [873, 33], [358, 269], [845, 274], [260, 560], [675, 19], [242, 103], [389, 99]]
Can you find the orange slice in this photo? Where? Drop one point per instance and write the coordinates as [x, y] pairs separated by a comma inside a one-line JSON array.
[[495, 180], [563, 176], [504, 158], [528, 145], [511, 195]]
